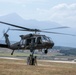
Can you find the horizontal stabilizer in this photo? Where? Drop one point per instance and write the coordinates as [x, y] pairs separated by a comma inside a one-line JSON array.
[[3, 45]]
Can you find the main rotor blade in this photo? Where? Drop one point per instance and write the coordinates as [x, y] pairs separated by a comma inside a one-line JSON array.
[[18, 30], [58, 33], [46, 32], [26, 29], [34, 30], [56, 28], [14, 25]]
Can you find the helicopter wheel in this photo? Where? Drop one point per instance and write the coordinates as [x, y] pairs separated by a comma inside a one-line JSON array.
[[12, 52], [46, 51]]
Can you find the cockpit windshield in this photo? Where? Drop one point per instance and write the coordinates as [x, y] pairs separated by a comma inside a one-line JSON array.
[[45, 39]]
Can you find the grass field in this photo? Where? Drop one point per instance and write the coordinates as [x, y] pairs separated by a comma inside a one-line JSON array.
[[19, 67]]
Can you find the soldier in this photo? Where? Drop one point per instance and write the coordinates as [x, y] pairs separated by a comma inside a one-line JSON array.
[[35, 60], [31, 60], [28, 60]]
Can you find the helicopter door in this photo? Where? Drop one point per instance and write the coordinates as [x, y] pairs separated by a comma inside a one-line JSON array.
[[39, 40], [22, 43], [28, 41]]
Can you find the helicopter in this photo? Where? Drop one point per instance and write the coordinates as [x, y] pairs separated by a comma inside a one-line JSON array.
[[32, 41]]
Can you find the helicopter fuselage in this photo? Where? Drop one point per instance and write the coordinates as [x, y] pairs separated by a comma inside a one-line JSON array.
[[30, 41], [36, 41], [33, 40]]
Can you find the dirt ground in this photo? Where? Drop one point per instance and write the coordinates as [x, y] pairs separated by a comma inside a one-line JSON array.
[[19, 67]]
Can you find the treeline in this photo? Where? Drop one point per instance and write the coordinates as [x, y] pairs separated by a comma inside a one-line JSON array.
[[69, 52], [62, 48]]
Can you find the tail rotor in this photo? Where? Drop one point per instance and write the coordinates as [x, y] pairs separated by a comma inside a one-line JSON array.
[[4, 33]]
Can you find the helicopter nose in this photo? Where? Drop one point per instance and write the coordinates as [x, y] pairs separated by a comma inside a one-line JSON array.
[[52, 44], [48, 44]]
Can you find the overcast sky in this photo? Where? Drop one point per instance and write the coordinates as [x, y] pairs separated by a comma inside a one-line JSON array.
[[61, 11]]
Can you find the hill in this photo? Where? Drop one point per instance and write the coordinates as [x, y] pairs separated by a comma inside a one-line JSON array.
[[60, 40]]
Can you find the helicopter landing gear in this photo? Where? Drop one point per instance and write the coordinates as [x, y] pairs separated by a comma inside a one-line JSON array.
[[46, 51], [12, 52]]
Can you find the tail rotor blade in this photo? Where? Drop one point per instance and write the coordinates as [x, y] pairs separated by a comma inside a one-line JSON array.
[[4, 33], [7, 30]]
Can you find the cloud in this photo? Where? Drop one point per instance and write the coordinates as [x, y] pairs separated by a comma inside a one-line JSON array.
[[61, 13]]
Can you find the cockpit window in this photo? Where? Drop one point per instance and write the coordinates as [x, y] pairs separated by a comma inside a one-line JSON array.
[[45, 39]]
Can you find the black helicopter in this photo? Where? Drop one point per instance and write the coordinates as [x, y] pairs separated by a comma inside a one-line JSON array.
[[30, 42]]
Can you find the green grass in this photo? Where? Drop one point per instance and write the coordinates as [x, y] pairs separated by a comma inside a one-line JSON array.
[[16, 54]]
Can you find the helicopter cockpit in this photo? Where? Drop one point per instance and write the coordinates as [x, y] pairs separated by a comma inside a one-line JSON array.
[[45, 39], [41, 39]]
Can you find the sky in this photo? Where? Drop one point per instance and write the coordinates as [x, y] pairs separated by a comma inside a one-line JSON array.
[[60, 11]]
